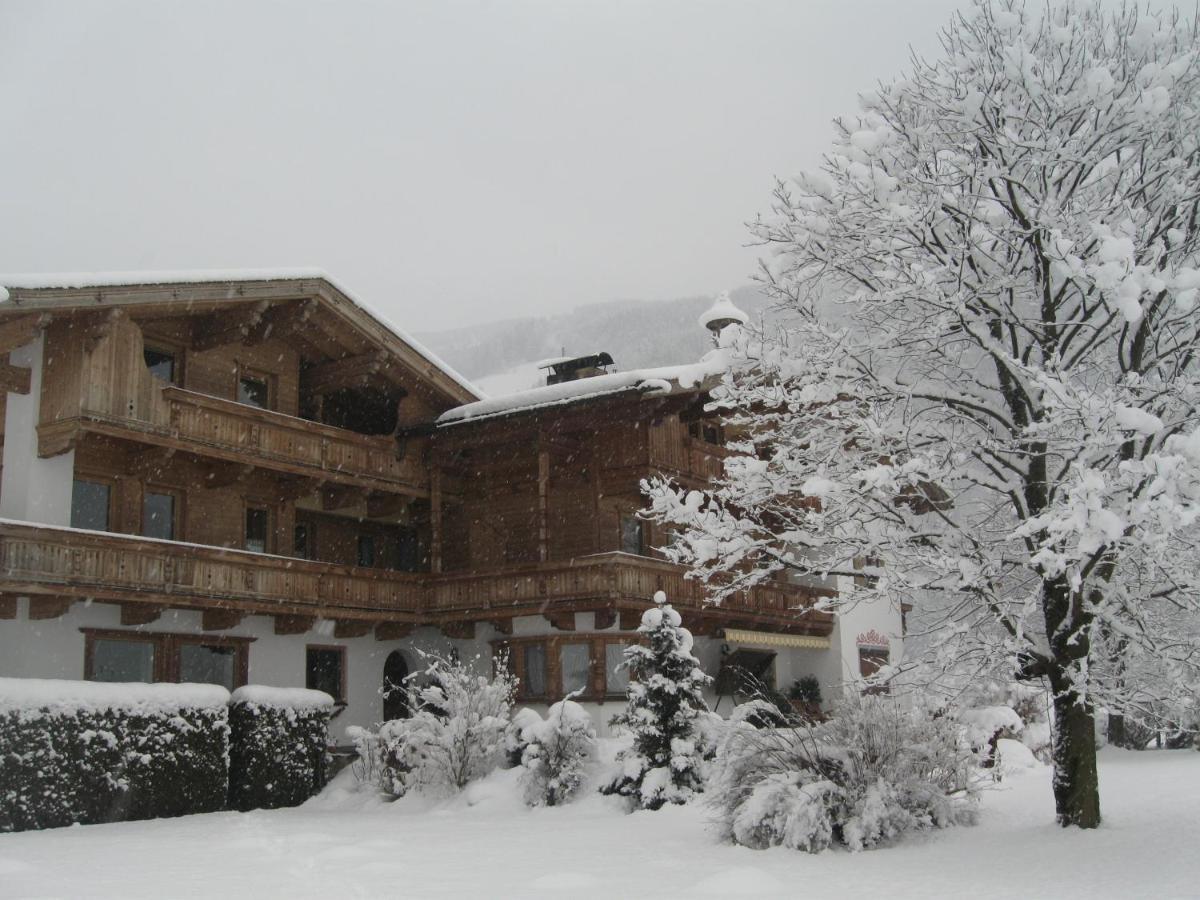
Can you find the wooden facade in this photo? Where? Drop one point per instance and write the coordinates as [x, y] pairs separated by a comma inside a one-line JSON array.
[[292, 441]]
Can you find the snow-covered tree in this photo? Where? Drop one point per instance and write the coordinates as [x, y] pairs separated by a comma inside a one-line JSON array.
[[557, 751], [986, 398], [663, 711], [456, 734]]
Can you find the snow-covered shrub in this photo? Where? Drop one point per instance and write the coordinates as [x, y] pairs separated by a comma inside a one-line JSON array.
[[515, 736], [557, 751], [84, 752], [277, 739], [456, 733], [663, 708], [866, 776]]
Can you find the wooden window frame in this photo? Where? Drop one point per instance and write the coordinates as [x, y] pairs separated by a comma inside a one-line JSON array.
[[267, 378], [176, 509], [166, 650], [249, 503], [643, 534], [99, 478], [172, 349], [597, 686], [343, 680]]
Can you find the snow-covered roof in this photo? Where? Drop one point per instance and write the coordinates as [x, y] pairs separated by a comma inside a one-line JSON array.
[[655, 381], [723, 309], [70, 280]]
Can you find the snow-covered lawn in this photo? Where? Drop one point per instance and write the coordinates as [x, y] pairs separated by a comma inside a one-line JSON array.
[[485, 844]]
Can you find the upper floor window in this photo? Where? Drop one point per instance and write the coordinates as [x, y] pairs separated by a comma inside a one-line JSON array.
[[633, 535], [163, 364], [366, 550], [706, 430], [258, 522], [254, 389], [158, 514], [302, 541], [91, 503]]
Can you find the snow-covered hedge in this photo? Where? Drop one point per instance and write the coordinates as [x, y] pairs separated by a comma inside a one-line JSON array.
[[84, 752], [276, 746], [556, 753], [871, 773]]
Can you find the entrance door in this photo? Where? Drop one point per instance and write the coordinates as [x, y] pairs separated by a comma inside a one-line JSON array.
[[395, 696]]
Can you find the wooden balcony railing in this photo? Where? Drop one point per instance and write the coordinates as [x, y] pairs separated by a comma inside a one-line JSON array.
[[64, 562], [69, 563], [688, 458]]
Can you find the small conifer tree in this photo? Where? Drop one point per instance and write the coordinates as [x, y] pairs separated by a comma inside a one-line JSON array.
[[664, 704]]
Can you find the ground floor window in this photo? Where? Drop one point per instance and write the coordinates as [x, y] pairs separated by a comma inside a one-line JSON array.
[[870, 661], [551, 667], [325, 670], [147, 656]]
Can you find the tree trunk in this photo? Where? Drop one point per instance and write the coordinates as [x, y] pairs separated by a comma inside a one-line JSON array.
[[1076, 783]]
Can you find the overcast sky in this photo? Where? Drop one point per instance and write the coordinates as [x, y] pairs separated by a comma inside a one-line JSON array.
[[449, 161]]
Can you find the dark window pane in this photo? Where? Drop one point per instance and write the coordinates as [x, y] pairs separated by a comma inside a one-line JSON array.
[[253, 391], [323, 671], [116, 660], [366, 550], [535, 670], [616, 678], [301, 545], [161, 364], [632, 539], [89, 505], [207, 664], [576, 662], [408, 551], [256, 529], [158, 515]]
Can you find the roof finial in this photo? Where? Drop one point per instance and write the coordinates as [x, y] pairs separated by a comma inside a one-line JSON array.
[[722, 313]]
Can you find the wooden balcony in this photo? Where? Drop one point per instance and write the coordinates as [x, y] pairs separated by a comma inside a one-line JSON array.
[[222, 429], [688, 459], [41, 560], [619, 581]]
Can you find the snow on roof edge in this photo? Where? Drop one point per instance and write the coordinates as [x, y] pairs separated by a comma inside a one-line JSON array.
[[68, 280]]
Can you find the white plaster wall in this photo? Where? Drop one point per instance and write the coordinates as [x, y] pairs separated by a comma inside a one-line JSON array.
[[879, 615], [32, 489]]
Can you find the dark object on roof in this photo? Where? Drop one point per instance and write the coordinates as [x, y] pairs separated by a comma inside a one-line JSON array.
[[574, 368]]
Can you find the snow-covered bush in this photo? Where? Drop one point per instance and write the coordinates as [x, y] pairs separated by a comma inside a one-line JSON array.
[[456, 733], [83, 752], [277, 739], [516, 739], [663, 710], [868, 775], [557, 751]]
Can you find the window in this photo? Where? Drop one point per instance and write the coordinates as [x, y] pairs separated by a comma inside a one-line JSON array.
[[158, 514], [257, 528], [325, 670], [254, 389], [147, 656], [366, 550], [302, 542], [870, 661], [90, 504], [161, 364], [408, 551], [706, 430], [534, 682], [616, 676], [633, 539], [575, 661], [122, 659]]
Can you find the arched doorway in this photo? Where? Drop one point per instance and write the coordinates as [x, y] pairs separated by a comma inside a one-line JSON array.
[[395, 697]]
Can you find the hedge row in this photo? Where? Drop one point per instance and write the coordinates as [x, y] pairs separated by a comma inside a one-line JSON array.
[[82, 752]]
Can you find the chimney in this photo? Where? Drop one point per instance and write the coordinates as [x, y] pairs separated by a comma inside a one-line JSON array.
[[573, 368]]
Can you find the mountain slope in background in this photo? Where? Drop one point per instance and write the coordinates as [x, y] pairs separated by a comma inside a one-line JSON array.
[[501, 357]]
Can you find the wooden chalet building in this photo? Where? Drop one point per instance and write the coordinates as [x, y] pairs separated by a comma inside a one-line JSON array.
[[234, 477]]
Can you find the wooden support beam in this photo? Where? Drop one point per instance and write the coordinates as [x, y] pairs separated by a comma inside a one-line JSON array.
[[351, 371], [631, 619], [140, 613], [223, 475], [351, 628], [20, 330], [504, 626], [294, 624], [150, 462], [341, 496], [228, 326], [605, 618], [220, 619], [564, 621], [8, 606], [381, 505], [295, 488], [281, 321], [48, 607], [15, 379], [464, 631], [393, 631]]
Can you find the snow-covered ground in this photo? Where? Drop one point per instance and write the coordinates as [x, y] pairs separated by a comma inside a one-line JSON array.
[[485, 844]]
